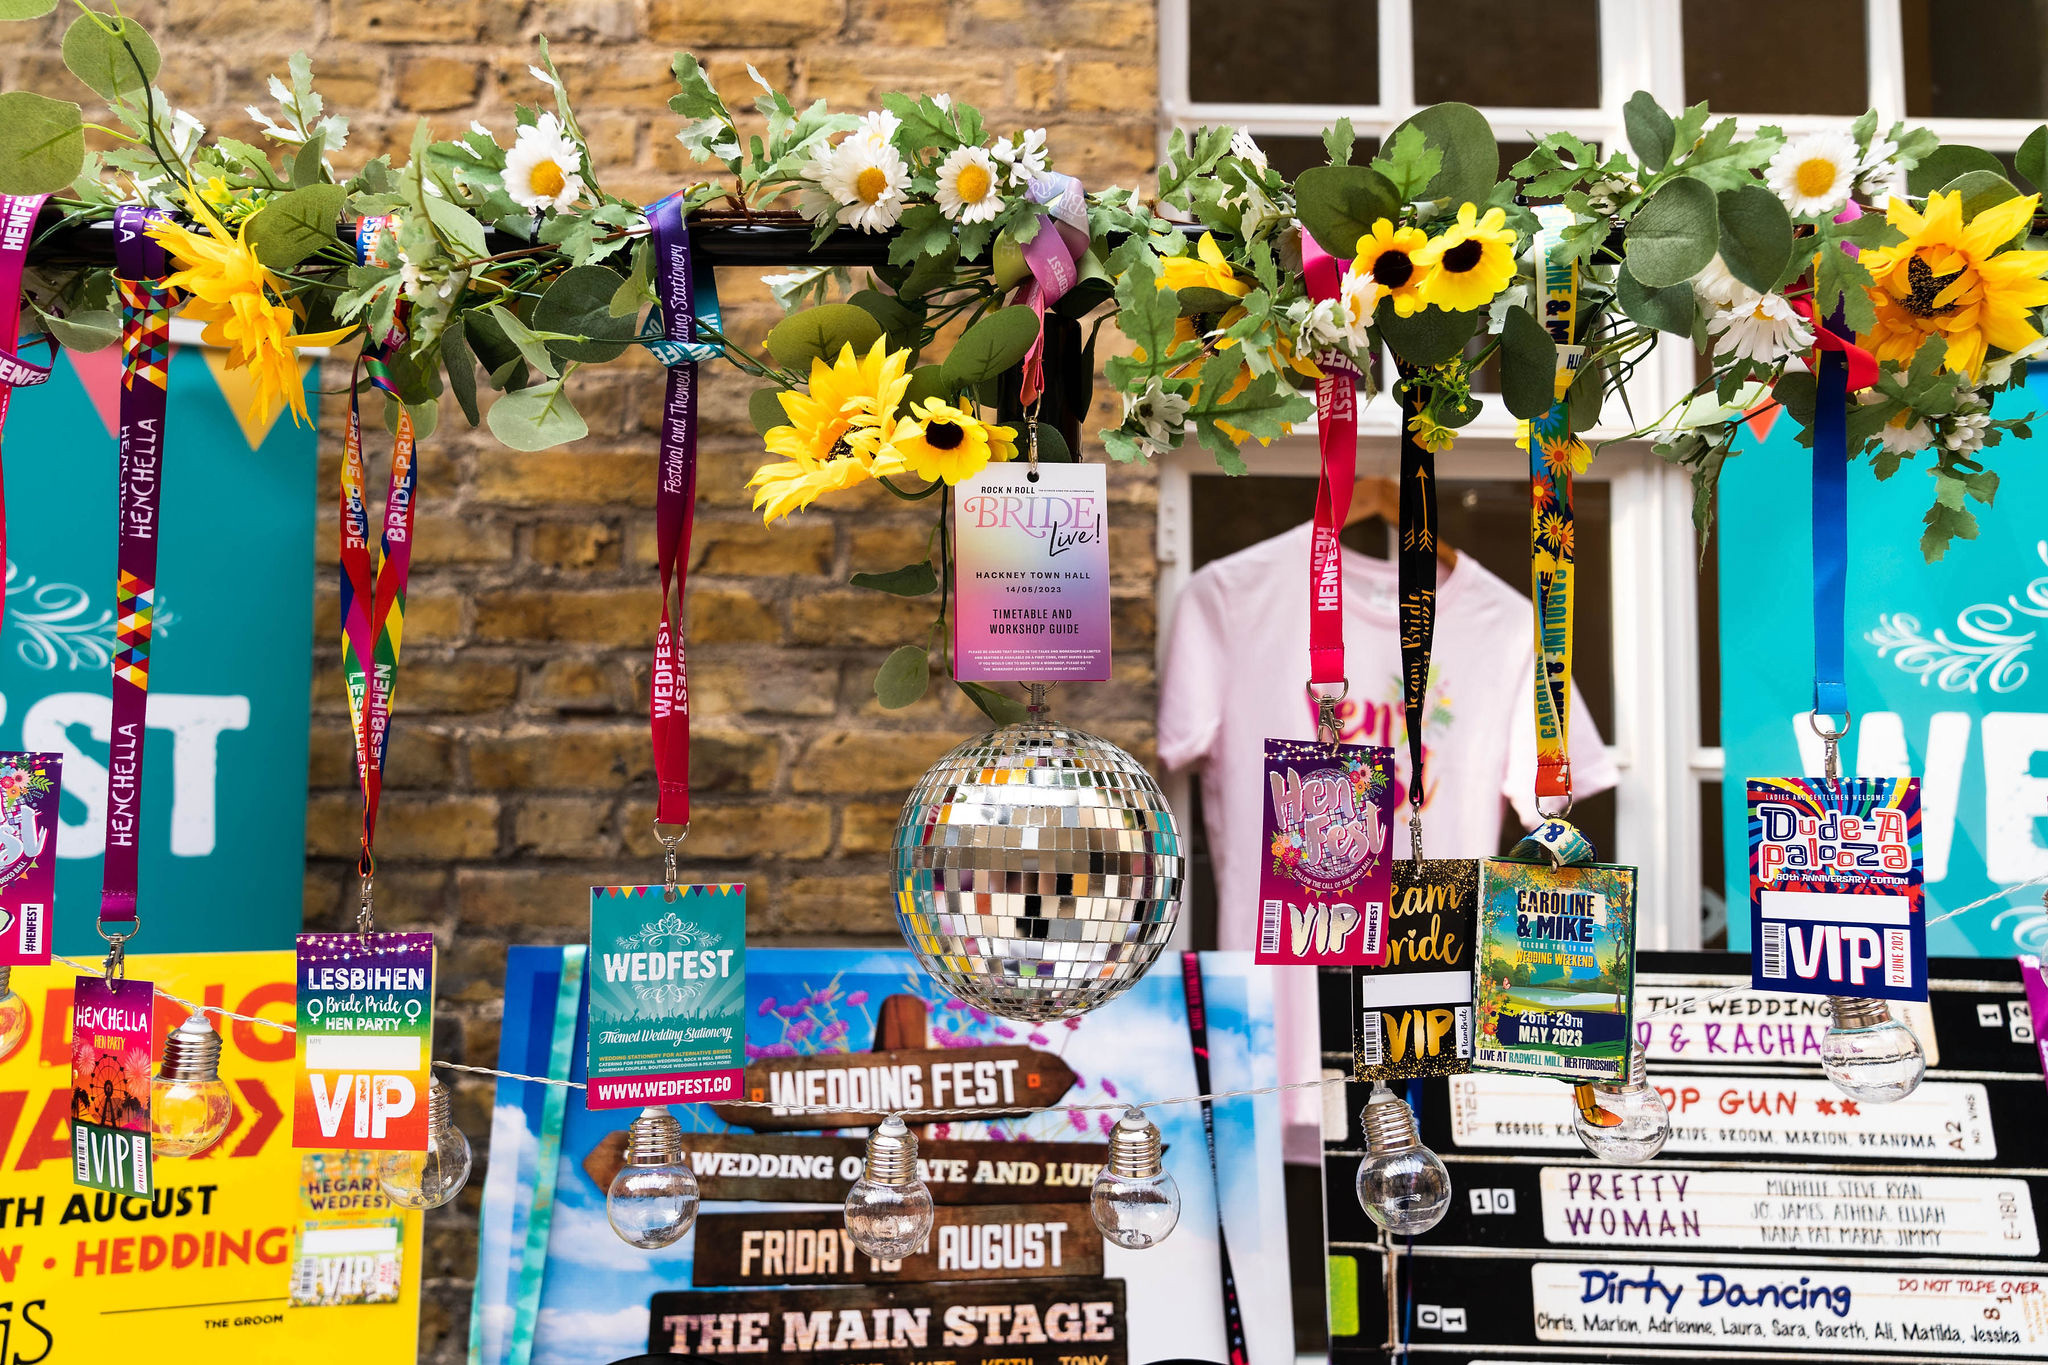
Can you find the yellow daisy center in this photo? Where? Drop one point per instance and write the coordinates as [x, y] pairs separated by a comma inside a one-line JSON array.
[[547, 178], [870, 184], [972, 184], [1815, 177]]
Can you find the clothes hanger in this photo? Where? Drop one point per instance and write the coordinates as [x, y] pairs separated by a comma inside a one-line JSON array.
[[1378, 496]]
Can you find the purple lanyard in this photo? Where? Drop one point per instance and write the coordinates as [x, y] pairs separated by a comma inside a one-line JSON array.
[[145, 376], [675, 498], [17, 226]]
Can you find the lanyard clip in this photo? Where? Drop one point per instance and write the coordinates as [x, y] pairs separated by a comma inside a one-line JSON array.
[[1415, 828], [1327, 730], [670, 888], [366, 913], [1831, 743]]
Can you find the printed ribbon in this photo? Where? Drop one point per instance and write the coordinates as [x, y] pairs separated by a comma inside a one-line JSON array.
[[675, 501], [1337, 435], [1054, 257], [1198, 1045], [139, 267], [17, 225], [373, 598], [1555, 454], [1417, 581]]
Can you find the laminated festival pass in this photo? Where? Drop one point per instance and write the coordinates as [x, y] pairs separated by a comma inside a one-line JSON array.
[[110, 1061], [366, 1024], [1835, 887], [29, 785], [668, 995], [1031, 568], [1557, 949], [1326, 853], [1413, 1016]]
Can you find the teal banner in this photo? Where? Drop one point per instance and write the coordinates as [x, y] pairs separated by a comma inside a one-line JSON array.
[[1946, 669], [224, 782]]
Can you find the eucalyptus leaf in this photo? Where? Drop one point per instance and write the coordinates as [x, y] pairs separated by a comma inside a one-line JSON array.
[[456, 224], [900, 323], [1756, 236], [821, 333], [2032, 161], [537, 418], [1650, 130], [1430, 337], [1674, 235], [307, 168], [928, 381], [531, 347], [1196, 300], [460, 362], [912, 580], [1945, 163], [1471, 156], [579, 303], [1052, 446], [103, 51], [42, 143], [903, 677], [1528, 365], [1000, 707], [294, 225], [1670, 309], [995, 344], [94, 331], [1982, 190], [11, 10], [1339, 204], [765, 410]]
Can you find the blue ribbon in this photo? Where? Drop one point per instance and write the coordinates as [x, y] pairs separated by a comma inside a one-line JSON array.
[[654, 335], [1830, 532]]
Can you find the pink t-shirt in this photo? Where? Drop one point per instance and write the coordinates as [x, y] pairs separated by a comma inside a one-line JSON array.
[[1236, 663]]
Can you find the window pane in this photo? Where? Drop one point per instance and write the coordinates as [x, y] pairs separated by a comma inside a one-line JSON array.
[[1975, 58], [1770, 57], [1261, 53], [1540, 54]]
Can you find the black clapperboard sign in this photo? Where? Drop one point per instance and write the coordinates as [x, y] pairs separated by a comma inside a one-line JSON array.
[[1783, 1221]]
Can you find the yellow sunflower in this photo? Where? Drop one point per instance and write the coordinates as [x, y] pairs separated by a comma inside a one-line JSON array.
[[1949, 279], [244, 308], [1469, 262], [1387, 257], [834, 439], [939, 441], [1206, 269]]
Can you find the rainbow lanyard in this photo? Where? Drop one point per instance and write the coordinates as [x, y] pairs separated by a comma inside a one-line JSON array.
[[145, 380], [373, 598]]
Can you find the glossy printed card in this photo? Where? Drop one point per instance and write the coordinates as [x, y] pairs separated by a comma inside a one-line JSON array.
[[668, 995], [29, 787], [1413, 1016], [365, 1044], [1835, 887], [1557, 951], [1325, 853], [1031, 572], [110, 1065]]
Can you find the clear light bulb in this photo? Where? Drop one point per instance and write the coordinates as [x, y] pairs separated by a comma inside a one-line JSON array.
[[14, 1019], [1626, 1123], [653, 1199], [1135, 1201], [1401, 1185], [1869, 1055], [189, 1104], [889, 1210], [429, 1179]]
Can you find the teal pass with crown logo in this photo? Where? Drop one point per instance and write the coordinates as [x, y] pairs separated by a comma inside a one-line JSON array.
[[668, 994]]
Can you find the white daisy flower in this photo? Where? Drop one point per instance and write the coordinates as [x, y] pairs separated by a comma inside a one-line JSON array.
[[1023, 158], [1765, 330], [1716, 288], [1998, 373], [1910, 439], [544, 168], [1160, 413], [1242, 146], [1966, 432], [967, 186], [1814, 174], [1877, 175], [877, 126], [866, 178]]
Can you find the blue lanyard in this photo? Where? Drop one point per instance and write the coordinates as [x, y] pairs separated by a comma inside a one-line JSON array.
[[1830, 532]]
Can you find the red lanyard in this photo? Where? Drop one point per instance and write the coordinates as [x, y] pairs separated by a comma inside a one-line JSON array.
[[675, 500], [1337, 434]]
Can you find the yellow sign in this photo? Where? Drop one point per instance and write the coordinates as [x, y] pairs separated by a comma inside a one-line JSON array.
[[239, 1244]]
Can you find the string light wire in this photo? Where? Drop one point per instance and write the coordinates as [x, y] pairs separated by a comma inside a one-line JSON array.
[[1686, 1008]]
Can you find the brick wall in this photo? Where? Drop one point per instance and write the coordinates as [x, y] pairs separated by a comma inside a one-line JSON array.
[[519, 769]]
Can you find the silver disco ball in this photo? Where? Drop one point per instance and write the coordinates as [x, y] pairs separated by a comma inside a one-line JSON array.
[[1038, 871]]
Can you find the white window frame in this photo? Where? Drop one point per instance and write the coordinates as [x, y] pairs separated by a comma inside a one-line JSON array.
[[1664, 768]]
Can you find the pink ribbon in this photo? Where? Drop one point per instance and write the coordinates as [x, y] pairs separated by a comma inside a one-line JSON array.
[[1337, 435]]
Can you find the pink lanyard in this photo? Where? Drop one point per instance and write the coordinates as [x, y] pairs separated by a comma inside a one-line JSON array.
[[1337, 435], [17, 225]]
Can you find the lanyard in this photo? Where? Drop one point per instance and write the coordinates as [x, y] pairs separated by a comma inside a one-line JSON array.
[[373, 597], [1553, 453], [145, 378], [1337, 436], [1417, 581], [675, 501], [1830, 531], [1198, 1044], [17, 225]]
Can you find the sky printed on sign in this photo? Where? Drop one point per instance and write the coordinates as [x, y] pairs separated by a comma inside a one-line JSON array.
[[593, 1304]]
